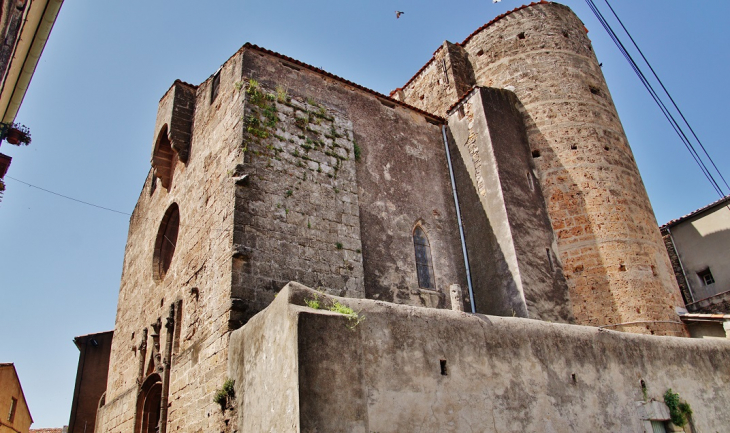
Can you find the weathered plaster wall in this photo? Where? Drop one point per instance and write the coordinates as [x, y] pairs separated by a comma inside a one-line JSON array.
[[610, 248], [405, 367], [199, 274], [518, 273], [702, 243], [265, 371], [400, 179]]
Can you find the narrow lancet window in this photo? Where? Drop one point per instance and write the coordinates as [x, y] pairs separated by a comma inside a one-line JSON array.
[[424, 266]]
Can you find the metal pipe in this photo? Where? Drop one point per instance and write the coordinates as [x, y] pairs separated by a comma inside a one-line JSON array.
[[458, 217]]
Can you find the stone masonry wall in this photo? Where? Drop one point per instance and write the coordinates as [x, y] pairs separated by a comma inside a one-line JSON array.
[[297, 209], [401, 180], [609, 244], [198, 276]]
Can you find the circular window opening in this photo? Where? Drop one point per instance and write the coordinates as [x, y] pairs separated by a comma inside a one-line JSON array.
[[165, 242]]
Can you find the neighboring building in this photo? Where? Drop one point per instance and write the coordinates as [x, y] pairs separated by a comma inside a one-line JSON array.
[[94, 350], [14, 413], [50, 430], [697, 244], [497, 181], [698, 248], [25, 27]]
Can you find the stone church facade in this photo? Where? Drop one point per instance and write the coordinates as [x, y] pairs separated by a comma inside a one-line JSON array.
[[498, 181]]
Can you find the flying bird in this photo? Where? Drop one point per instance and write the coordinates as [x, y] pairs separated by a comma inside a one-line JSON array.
[[398, 14], [496, 1]]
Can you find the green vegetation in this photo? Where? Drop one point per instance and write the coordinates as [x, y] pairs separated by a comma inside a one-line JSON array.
[[338, 245], [679, 412], [354, 318], [225, 393], [356, 149], [281, 95], [313, 303]]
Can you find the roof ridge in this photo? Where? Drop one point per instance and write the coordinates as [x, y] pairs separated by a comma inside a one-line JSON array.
[[695, 212], [340, 79], [465, 41]]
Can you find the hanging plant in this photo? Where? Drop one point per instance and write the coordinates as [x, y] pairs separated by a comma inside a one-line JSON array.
[[18, 134]]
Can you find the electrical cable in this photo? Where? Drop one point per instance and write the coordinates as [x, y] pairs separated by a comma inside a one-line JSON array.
[[667, 114], [69, 198], [102, 207], [668, 95]]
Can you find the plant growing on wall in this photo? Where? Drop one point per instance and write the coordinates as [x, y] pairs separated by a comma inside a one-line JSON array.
[[679, 412], [225, 393]]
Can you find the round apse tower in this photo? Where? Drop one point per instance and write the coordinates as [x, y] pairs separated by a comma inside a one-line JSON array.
[[613, 256]]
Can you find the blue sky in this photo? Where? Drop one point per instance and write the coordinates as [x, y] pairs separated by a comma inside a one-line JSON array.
[[93, 100]]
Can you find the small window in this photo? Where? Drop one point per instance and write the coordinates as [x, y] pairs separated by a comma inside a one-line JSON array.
[[214, 85], [13, 405], [166, 242], [424, 266], [706, 277]]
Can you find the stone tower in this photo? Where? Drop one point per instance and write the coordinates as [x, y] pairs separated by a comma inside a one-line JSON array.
[[611, 250]]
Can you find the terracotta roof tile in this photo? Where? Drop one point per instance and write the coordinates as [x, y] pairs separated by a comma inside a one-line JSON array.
[[696, 212]]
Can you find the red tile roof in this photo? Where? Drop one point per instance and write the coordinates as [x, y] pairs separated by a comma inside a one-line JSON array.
[[710, 206]]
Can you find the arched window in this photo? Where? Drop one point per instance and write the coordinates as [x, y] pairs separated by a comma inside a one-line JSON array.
[[165, 242], [424, 266], [148, 405], [164, 158]]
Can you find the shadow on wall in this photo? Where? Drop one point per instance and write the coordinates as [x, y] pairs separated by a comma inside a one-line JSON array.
[[578, 249], [494, 286]]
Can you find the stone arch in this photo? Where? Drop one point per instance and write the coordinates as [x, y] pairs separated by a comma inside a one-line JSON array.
[[424, 262], [149, 407], [166, 242], [164, 157]]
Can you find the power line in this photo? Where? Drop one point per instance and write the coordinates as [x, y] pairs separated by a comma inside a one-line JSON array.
[[69, 198], [667, 114], [105, 208], [668, 95]]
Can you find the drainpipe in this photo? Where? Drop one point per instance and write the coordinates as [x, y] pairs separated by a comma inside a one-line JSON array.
[[458, 217]]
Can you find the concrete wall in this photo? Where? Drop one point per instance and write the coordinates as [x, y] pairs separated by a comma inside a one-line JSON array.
[[404, 368], [702, 243], [611, 250], [510, 242], [91, 375]]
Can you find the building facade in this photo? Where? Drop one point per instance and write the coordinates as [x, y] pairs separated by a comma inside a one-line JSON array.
[[497, 181]]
